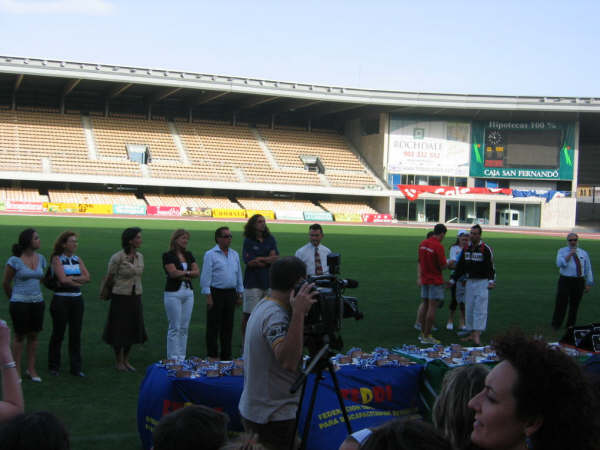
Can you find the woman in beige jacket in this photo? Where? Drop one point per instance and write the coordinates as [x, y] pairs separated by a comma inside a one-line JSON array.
[[125, 323]]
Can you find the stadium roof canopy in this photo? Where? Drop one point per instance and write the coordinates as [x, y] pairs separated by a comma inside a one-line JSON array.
[[76, 86]]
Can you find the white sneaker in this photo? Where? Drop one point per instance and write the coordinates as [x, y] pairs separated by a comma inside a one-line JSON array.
[[449, 326], [417, 326]]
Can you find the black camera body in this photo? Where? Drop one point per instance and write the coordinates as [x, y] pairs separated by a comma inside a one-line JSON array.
[[324, 319]]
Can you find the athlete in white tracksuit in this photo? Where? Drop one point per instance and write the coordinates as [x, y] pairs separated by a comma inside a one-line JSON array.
[[477, 264]]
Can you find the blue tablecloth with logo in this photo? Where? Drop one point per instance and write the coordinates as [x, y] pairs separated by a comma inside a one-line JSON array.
[[371, 396]]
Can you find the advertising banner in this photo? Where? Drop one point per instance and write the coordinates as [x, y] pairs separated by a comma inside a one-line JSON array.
[[23, 206], [229, 213], [163, 210], [412, 191], [129, 209], [428, 147], [371, 397], [523, 149], [289, 215], [196, 211], [3, 207], [377, 218], [61, 207], [87, 208], [318, 216], [265, 213], [347, 217]]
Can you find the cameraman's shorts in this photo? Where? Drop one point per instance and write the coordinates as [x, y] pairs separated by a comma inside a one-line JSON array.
[[275, 435], [432, 291], [252, 297]]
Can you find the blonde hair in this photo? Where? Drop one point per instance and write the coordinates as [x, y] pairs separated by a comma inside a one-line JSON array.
[[176, 235], [451, 415]]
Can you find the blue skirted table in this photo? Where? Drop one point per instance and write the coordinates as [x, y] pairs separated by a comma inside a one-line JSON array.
[[372, 396]]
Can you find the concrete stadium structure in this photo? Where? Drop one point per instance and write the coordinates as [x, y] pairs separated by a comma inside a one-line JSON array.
[[404, 141]]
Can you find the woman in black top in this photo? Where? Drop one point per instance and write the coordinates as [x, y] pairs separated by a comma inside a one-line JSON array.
[[180, 267]]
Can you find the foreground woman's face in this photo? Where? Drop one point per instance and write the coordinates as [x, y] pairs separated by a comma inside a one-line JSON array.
[[496, 424]]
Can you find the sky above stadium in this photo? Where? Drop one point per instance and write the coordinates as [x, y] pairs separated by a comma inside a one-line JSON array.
[[541, 48]]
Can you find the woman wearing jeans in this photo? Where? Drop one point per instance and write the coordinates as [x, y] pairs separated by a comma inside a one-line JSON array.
[[180, 267]]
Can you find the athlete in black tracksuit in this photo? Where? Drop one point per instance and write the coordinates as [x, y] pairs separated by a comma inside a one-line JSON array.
[[476, 263]]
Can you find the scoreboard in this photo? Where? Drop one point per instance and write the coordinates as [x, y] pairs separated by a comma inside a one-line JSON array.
[[522, 149]]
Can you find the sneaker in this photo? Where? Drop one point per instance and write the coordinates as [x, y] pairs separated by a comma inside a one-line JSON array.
[[463, 332], [450, 326], [434, 328], [417, 326], [421, 338], [430, 340]]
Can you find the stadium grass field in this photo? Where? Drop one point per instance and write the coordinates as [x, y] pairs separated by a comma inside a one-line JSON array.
[[100, 410]]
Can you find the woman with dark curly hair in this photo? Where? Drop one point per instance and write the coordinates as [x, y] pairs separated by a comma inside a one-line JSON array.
[[259, 252], [537, 397]]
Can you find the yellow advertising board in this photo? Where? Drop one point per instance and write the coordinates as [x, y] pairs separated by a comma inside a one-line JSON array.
[[196, 211], [229, 213], [89, 208], [265, 213], [61, 207], [347, 217]]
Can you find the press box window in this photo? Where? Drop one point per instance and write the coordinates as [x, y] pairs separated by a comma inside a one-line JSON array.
[[139, 153]]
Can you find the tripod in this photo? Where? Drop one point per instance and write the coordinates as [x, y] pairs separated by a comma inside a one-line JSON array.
[[318, 363]]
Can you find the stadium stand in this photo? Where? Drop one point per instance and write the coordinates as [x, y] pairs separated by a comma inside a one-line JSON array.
[[27, 138], [278, 204], [34, 141], [22, 194], [190, 200], [99, 198], [348, 207], [113, 134]]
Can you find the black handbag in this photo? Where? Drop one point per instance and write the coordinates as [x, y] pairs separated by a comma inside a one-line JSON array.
[[49, 279]]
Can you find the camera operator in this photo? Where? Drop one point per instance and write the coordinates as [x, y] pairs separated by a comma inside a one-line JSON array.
[[272, 355]]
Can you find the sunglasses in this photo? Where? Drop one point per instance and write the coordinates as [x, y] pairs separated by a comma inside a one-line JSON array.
[[572, 240], [226, 236]]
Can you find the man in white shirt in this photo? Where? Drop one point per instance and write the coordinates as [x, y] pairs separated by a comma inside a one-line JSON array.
[[313, 254], [575, 279], [221, 282]]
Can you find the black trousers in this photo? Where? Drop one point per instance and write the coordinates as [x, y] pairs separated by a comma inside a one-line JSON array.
[[66, 311], [219, 323], [568, 293]]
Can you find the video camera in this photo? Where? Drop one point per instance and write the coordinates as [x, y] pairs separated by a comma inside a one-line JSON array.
[[325, 316]]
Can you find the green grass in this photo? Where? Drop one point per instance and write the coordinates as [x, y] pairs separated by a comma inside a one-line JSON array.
[[100, 410]]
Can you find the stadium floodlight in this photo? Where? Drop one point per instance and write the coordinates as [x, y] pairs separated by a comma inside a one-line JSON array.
[[312, 163]]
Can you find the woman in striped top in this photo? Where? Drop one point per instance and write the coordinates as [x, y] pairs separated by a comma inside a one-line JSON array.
[[67, 303]]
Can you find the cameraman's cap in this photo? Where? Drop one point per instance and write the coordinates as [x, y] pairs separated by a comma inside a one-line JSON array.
[[462, 232]]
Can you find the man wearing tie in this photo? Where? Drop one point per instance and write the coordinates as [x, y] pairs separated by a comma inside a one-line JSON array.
[[313, 254], [575, 279]]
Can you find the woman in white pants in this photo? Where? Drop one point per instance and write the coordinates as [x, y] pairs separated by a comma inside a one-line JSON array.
[[180, 266]]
